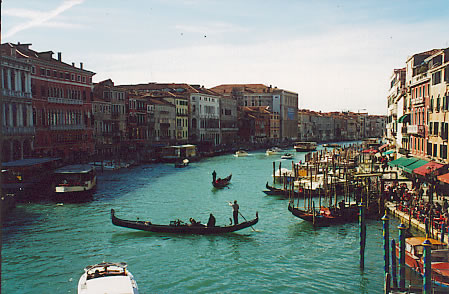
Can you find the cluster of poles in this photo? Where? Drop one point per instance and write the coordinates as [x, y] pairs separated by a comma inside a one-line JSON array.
[[392, 281], [328, 175]]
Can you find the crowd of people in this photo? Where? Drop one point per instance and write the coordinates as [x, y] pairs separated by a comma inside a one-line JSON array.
[[419, 203]]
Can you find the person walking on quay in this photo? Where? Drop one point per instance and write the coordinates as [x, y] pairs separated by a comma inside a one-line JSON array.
[[235, 211]]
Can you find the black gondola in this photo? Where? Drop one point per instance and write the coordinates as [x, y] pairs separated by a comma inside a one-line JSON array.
[[282, 192], [181, 228], [220, 183], [325, 216]]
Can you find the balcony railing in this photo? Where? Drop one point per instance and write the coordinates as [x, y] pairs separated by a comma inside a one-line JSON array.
[[65, 100], [18, 94], [10, 131], [416, 130], [66, 127]]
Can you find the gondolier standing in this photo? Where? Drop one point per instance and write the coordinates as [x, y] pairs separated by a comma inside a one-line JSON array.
[[235, 211]]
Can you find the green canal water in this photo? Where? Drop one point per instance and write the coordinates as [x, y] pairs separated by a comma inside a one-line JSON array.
[[47, 245]]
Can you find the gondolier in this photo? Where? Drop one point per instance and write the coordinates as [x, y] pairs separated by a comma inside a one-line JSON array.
[[235, 211]]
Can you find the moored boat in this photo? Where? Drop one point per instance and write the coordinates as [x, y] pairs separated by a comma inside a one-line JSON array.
[[305, 146], [331, 145], [107, 277], [241, 153], [326, 216], [74, 182], [440, 258], [179, 227]]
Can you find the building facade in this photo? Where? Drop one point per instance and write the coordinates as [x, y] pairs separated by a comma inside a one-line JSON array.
[[280, 101], [62, 105], [16, 105], [109, 116]]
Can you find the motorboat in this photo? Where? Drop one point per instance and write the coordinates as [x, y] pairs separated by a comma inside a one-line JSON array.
[[305, 146], [287, 156], [273, 151], [107, 277], [414, 250], [241, 153]]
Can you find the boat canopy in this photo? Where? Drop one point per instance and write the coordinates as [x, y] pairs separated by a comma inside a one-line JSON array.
[[414, 241]]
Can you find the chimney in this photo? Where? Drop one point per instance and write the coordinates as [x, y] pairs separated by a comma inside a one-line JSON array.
[[73, 64], [59, 56], [81, 65]]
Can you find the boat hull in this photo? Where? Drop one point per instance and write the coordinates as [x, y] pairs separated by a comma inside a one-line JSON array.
[[440, 270], [323, 220], [180, 229]]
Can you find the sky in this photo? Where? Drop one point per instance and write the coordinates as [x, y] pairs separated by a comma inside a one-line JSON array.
[[337, 55]]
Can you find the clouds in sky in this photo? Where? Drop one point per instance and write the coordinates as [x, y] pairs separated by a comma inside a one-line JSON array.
[[335, 56], [37, 18]]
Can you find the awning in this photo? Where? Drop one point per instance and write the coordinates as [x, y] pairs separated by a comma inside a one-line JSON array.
[[402, 161], [427, 168], [404, 119], [369, 151], [420, 162], [384, 146], [444, 178], [388, 152]]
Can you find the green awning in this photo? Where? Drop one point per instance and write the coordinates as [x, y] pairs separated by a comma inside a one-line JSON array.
[[409, 168], [404, 119], [402, 161]]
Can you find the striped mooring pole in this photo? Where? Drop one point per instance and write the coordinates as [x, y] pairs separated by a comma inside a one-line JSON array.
[[427, 281], [443, 231], [362, 234], [401, 228], [386, 236], [394, 275]]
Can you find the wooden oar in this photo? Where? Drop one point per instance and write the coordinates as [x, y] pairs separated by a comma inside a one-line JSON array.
[[247, 221]]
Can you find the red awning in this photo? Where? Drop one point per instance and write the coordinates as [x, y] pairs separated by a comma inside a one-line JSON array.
[[427, 168], [383, 146], [369, 151], [444, 178]]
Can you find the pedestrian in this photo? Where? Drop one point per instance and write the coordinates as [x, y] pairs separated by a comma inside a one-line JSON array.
[[235, 211]]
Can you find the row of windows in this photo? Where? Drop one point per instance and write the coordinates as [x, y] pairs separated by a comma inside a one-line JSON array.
[[115, 108], [443, 106], [439, 129], [45, 72], [56, 92], [432, 150], [113, 95]]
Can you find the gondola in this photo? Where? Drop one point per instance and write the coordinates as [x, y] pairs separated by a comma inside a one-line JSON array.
[[326, 217], [285, 193], [220, 183], [177, 227]]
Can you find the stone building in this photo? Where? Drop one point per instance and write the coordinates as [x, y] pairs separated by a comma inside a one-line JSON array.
[[62, 105], [16, 105]]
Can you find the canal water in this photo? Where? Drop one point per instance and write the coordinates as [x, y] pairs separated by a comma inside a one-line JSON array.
[[47, 245]]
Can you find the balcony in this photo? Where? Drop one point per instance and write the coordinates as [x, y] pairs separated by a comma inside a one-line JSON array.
[[66, 127], [17, 94], [65, 101], [18, 131], [416, 130]]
